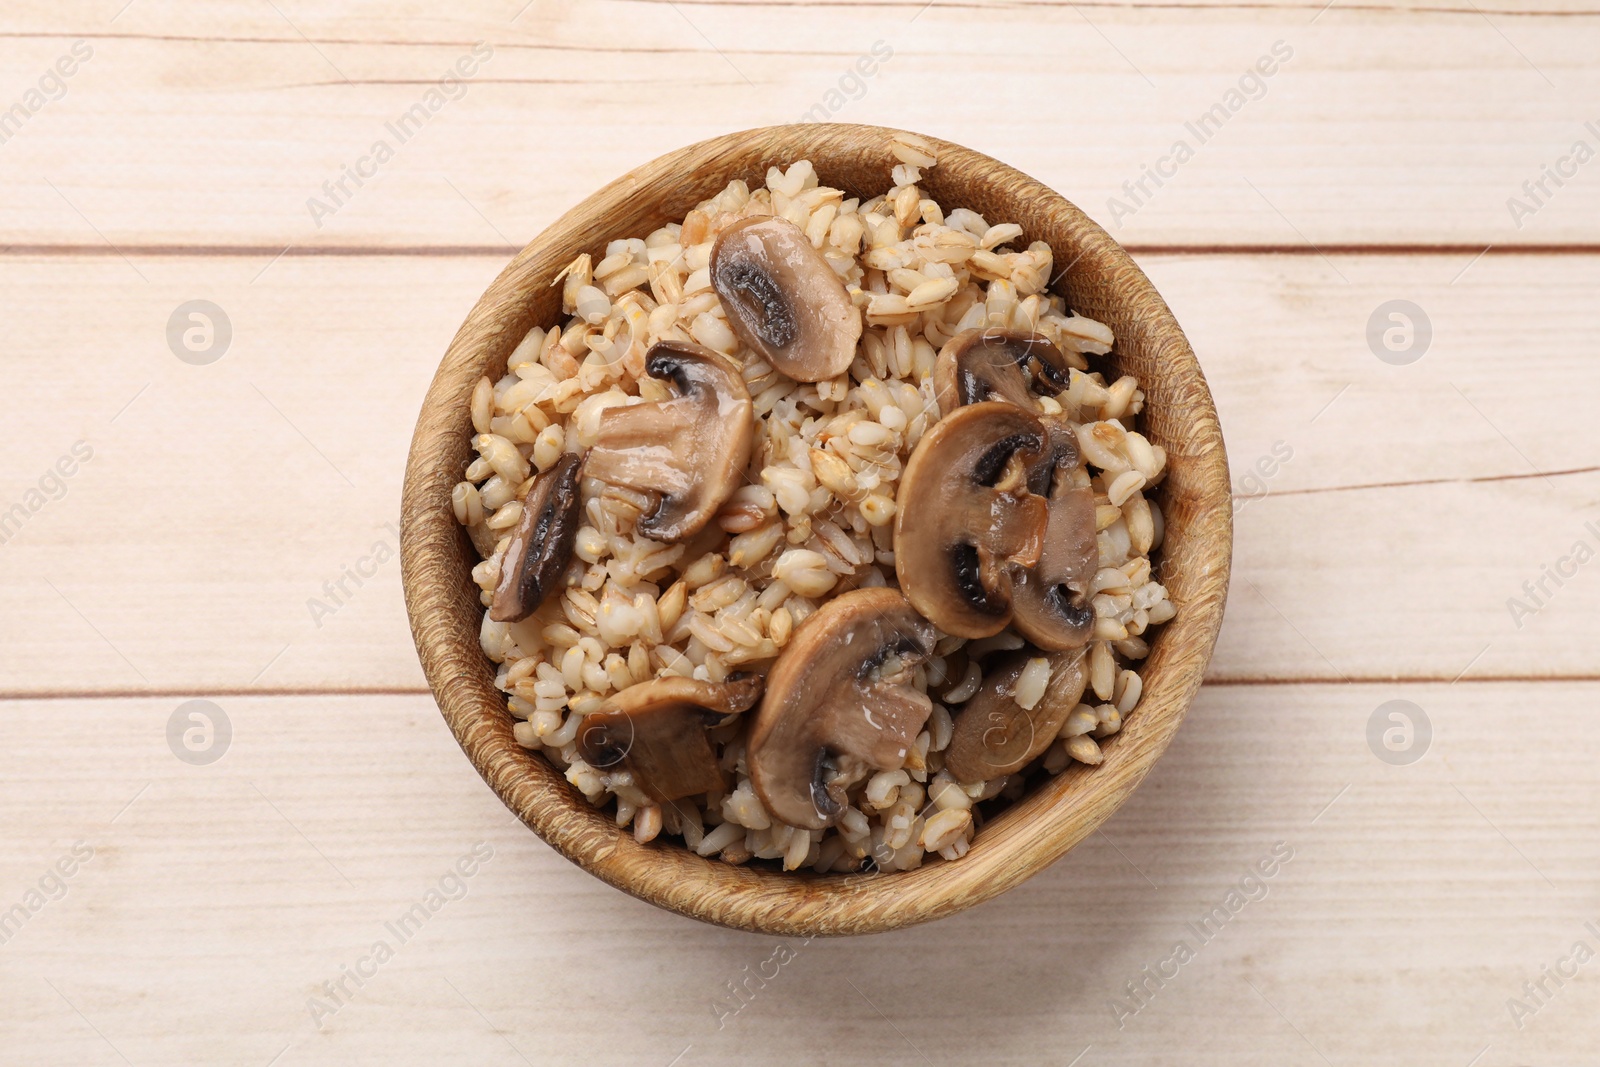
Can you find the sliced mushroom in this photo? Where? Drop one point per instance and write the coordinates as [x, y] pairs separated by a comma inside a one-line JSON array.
[[688, 452], [994, 735], [657, 731], [993, 364], [484, 539], [966, 518], [541, 547], [839, 704], [783, 300], [1051, 602]]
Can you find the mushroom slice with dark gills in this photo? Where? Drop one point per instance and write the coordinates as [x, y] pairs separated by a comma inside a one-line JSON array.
[[541, 546], [988, 363], [967, 520], [995, 734], [688, 451], [1051, 603], [839, 705], [656, 730], [783, 300]]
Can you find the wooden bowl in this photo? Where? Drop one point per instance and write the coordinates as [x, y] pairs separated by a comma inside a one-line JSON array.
[[1100, 280]]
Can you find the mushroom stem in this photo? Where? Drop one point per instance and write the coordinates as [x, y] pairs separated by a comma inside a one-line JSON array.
[[967, 520], [657, 731], [986, 363], [688, 452], [1052, 601], [839, 705]]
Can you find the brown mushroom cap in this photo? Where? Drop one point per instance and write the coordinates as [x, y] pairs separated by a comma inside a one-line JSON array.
[[961, 526], [987, 363], [830, 714], [783, 300], [689, 451], [1051, 603], [657, 731], [994, 735], [541, 547]]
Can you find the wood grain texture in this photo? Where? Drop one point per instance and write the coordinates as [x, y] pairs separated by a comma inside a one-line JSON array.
[[1391, 126], [1390, 467], [1100, 280], [215, 908], [1414, 908]]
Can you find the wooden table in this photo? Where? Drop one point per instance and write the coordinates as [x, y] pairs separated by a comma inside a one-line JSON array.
[[224, 533]]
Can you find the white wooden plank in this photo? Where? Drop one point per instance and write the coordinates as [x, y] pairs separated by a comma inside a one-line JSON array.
[[1463, 450], [1418, 899], [190, 551], [223, 497], [212, 124], [181, 558]]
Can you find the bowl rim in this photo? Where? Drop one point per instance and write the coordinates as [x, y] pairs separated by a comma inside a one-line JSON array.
[[1053, 817]]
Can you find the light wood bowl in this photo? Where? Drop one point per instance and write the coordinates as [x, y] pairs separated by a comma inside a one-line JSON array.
[[1099, 280]]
